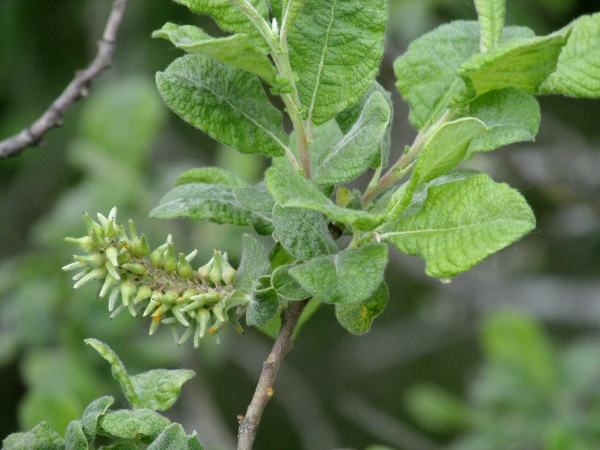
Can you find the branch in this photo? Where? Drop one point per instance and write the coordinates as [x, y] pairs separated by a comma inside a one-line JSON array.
[[77, 89], [264, 389]]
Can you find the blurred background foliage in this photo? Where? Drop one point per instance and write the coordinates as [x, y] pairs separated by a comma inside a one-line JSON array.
[[445, 366]]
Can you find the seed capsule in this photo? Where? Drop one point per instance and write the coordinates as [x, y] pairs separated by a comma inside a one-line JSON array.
[[183, 267]]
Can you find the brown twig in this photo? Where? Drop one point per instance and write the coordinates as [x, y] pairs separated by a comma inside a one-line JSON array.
[[264, 389], [77, 89]]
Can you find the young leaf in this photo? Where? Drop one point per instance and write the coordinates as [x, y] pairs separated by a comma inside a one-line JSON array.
[[461, 223], [74, 437], [491, 22], [577, 73], [159, 389], [333, 70], [227, 103], [210, 175], [510, 115], [357, 317], [133, 424], [263, 306], [303, 232], [117, 368], [289, 13], [523, 65], [286, 286], [291, 189], [230, 17], [92, 414], [237, 50], [351, 156], [349, 277], [42, 436], [348, 117], [254, 264], [173, 437]]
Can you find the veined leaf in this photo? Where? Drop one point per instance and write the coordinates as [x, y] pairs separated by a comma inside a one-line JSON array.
[[210, 175], [133, 424], [491, 21], [510, 115], [230, 18], [227, 103], [303, 232], [461, 223], [351, 156], [253, 265], [42, 436], [264, 304], [357, 317], [523, 65], [159, 389], [289, 13], [350, 276], [286, 286], [336, 47], [237, 50], [578, 70], [291, 189]]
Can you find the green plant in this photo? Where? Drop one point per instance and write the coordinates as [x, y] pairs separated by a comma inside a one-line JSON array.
[[471, 88]]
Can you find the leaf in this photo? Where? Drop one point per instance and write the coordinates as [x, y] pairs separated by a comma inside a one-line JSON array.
[[74, 437], [257, 200], [353, 155], [40, 437], [230, 17], [227, 103], [357, 317], [303, 232], [351, 276], [159, 389], [348, 117], [286, 286], [578, 71], [92, 414], [291, 189], [117, 368], [133, 424], [510, 115], [264, 304], [523, 65], [491, 21], [237, 50], [210, 175], [173, 437], [289, 13], [254, 264], [335, 49], [461, 223]]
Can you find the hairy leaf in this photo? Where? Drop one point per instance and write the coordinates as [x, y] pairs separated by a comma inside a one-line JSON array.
[[237, 50], [348, 277], [92, 414], [264, 304], [133, 424], [291, 189], [461, 223], [159, 389], [351, 156], [289, 13], [210, 175], [227, 103], [510, 115], [491, 21], [358, 317], [42, 436], [173, 437], [286, 286], [254, 264], [303, 232], [336, 47], [74, 437], [578, 70]]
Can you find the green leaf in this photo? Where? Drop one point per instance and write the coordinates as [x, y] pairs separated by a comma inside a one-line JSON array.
[[257, 200], [133, 424], [264, 304], [40, 437], [254, 264], [291, 189], [523, 65], [159, 389], [227, 103], [173, 437], [461, 223], [75, 438], [357, 317], [210, 175], [333, 69], [348, 117], [510, 115], [578, 72], [237, 50], [92, 414], [303, 232], [491, 21], [351, 276], [353, 155], [117, 368], [289, 13], [286, 286], [230, 17]]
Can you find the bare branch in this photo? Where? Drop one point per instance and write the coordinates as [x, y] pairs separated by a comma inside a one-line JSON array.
[[77, 89], [264, 389]]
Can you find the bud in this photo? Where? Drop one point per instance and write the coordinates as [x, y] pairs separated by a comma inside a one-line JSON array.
[[169, 297], [112, 255], [157, 256], [85, 243], [92, 260], [144, 292], [183, 267], [176, 310], [136, 268], [217, 311], [192, 255], [200, 300], [97, 240], [188, 333], [114, 296], [92, 226], [110, 230], [235, 299], [140, 247], [202, 323], [109, 282], [133, 234], [204, 271], [112, 270], [233, 320], [73, 266], [127, 291], [92, 275], [124, 256]]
